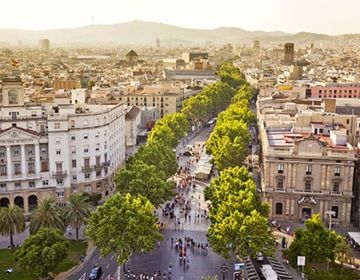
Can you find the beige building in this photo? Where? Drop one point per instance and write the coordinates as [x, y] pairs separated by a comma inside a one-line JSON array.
[[167, 98], [306, 172]]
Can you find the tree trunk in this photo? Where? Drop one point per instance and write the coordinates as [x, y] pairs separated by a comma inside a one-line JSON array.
[[77, 233], [11, 240]]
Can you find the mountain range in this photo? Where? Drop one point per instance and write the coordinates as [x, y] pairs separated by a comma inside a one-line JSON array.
[[145, 33]]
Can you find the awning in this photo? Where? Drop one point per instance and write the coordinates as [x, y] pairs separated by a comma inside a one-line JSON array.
[[355, 236]]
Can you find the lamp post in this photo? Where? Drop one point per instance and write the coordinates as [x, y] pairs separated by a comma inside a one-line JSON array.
[[223, 270], [331, 214]]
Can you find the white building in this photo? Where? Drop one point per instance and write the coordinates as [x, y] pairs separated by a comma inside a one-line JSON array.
[[54, 150]]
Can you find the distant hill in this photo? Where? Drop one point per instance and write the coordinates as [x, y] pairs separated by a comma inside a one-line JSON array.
[[145, 33]]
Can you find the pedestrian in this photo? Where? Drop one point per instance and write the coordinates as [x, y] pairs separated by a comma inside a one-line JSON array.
[[172, 241]]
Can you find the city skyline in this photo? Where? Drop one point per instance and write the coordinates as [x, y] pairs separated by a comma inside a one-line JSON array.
[[273, 15]]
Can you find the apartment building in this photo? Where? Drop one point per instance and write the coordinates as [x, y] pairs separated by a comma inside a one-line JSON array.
[[167, 98], [53, 150], [334, 90]]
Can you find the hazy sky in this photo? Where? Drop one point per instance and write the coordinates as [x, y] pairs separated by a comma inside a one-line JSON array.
[[323, 16]]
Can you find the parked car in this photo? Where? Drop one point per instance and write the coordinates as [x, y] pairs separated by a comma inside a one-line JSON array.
[[95, 273]]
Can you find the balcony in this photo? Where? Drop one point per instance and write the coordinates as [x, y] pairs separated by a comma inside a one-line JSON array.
[[3, 189], [282, 190], [308, 192], [98, 167], [336, 193], [87, 169], [106, 163], [59, 174]]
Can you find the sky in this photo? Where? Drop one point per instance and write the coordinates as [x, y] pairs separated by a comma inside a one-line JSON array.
[[319, 16]]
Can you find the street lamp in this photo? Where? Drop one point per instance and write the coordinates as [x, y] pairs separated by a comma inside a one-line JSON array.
[[331, 214], [223, 270]]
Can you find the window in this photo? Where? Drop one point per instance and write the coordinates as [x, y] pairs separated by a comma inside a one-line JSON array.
[[74, 177], [73, 137], [17, 168], [97, 147], [86, 149], [57, 140], [336, 186], [59, 181], [98, 185], [16, 152], [347, 121], [308, 169], [57, 125], [98, 173], [58, 152], [17, 185], [280, 184], [73, 150], [336, 210], [2, 154], [73, 163], [60, 194], [278, 208], [105, 145], [43, 150], [30, 152], [337, 171], [2, 186], [280, 168], [97, 135], [72, 123], [86, 136], [88, 188], [87, 175], [31, 168], [307, 185], [45, 182], [31, 184]]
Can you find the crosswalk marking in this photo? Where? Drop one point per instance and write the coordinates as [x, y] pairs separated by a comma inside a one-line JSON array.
[[83, 276]]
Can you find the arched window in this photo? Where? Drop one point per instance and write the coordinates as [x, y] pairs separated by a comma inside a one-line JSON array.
[[278, 208]]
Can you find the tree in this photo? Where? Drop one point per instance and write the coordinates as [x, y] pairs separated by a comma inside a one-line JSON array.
[[77, 211], [240, 234], [315, 242], [231, 74], [162, 135], [342, 252], [12, 221], [228, 143], [237, 111], [144, 179], [235, 182], [159, 155], [177, 122], [125, 224], [245, 93], [43, 251], [46, 214]]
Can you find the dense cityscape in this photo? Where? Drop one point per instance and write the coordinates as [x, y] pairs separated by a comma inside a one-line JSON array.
[[186, 154]]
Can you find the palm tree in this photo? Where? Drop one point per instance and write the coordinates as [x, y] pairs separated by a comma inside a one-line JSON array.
[[46, 214], [76, 212], [12, 221], [342, 252]]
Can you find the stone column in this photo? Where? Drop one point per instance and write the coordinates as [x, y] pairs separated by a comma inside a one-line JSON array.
[[37, 159], [26, 204], [23, 161], [8, 162]]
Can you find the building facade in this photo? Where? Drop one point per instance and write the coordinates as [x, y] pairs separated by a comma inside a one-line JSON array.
[[53, 150], [304, 174], [289, 53]]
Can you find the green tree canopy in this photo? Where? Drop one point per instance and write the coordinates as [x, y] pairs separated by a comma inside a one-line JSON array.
[[228, 143], [237, 111], [245, 93], [147, 180], [12, 221], [76, 211], [231, 74], [43, 251], [159, 155], [177, 122], [314, 242], [241, 234], [124, 225], [46, 214], [162, 135]]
